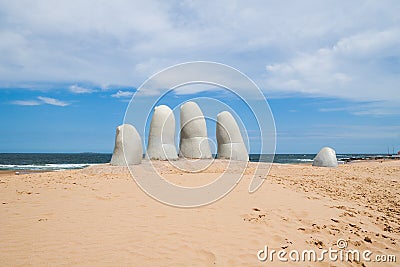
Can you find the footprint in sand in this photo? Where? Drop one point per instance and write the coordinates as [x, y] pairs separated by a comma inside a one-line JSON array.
[[207, 257], [256, 216]]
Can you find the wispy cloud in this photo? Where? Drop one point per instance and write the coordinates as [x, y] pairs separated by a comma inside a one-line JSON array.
[[182, 26], [348, 51], [26, 102], [53, 101], [40, 101], [80, 90], [355, 67], [342, 131], [376, 109], [122, 94]]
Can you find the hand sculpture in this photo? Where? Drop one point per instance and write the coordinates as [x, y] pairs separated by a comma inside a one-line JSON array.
[[127, 140], [326, 157], [230, 141], [161, 144], [193, 138]]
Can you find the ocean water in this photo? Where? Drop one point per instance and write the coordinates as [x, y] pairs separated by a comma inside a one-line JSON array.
[[64, 161], [50, 161]]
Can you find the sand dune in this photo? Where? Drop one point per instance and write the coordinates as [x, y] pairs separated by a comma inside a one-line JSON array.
[[99, 216]]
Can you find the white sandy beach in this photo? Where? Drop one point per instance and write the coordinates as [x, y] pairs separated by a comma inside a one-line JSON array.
[[99, 216]]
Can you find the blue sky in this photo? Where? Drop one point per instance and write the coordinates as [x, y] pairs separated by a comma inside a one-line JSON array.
[[329, 69]]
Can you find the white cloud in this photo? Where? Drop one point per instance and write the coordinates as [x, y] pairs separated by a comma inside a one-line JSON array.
[[342, 131], [196, 77], [80, 90], [53, 101], [26, 103], [196, 88], [354, 68], [347, 49], [122, 94], [40, 101], [370, 108]]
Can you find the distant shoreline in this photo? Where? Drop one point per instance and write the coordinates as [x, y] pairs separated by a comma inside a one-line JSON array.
[[32, 171], [30, 162]]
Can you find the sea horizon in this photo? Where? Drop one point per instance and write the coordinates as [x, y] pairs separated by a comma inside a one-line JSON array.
[[39, 161]]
